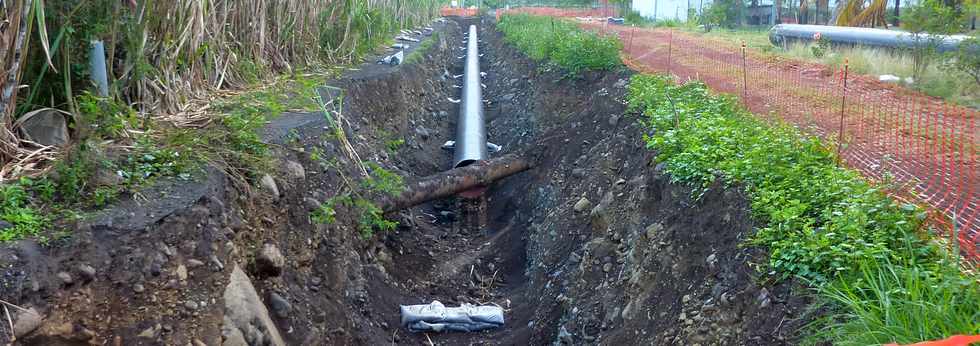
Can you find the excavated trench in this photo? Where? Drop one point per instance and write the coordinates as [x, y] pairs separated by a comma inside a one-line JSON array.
[[594, 245]]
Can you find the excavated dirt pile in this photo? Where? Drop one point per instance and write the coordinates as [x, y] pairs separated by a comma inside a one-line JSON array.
[[594, 245]]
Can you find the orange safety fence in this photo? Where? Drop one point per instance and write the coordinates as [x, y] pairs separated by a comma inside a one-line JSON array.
[[955, 340], [922, 149], [458, 11]]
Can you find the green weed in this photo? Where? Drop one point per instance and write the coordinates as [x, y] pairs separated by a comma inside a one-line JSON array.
[[369, 216], [561, 43], [394, 144], [900, 302], [71, 175], [877, 274], [820, 220], [21, 218], [105, 117], [382, 181], [416, 55]]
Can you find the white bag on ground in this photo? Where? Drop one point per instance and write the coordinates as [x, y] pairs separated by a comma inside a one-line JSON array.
[[436, 317]]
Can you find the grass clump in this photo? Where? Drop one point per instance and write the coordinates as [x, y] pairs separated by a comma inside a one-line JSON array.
[[895, 302], [234, 142], [865, 255], [416, 55], [561, 43]]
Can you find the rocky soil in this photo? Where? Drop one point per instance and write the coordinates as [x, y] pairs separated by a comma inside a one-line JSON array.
[[593, 246]]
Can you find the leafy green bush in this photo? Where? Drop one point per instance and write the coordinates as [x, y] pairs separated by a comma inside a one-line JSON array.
[[820, 219], [379, 182], [15, 209], [105, 117], [872, 270], [560, 43]]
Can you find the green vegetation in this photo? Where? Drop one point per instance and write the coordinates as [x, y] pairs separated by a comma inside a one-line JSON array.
[[93, 175], [821, 219], [823, 224], [142, 35], [376, 182], [900, 303], [358, 201], [416, 55], [16, 210], [561, 43], [119, 146]]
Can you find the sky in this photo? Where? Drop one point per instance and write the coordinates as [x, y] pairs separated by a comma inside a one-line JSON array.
[[665, 8]]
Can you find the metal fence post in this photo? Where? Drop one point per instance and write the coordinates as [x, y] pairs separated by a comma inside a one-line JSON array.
[[670, 44], [840, 131], [632, 33], [745, 78]]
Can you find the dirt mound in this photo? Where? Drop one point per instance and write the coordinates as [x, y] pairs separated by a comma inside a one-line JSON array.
[[592, 246]]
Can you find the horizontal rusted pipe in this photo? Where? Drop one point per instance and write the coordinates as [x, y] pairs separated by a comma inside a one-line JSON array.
[[456, 180]]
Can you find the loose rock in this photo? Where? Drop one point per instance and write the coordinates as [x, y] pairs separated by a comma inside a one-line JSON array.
[[65, 278], [87, 272], [247, 321], [279, 305], [270, 261], [26, 322], [582, 205], [294, 170], [269, 185], [194, 263], [181, 272]]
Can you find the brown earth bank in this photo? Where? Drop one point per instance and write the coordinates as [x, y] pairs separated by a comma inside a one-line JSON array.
[[595, 245]]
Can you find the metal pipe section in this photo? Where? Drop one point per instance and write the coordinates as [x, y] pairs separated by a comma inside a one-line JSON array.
[[97, 67], [782, 34], [471, 133]]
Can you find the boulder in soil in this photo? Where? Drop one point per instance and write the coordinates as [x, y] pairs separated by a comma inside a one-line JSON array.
[[583, 204], [46, 127], [294, 170], [26, 322], [270, 261], [246, 320], [269, 185]]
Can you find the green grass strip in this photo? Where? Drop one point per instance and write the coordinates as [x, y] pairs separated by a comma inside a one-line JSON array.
[[561, 43]]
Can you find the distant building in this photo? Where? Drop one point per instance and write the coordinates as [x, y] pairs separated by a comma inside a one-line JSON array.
[[760, 15]]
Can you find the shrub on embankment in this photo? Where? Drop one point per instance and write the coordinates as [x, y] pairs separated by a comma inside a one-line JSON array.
[[164, 114], [560, 42], [880, 276]]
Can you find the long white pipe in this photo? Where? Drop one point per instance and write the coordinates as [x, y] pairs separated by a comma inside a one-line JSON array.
[[471, 133]]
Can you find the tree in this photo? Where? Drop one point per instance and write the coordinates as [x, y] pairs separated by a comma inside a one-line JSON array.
[[715, 14], [927, 22], [966, 59], [898, 4]]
